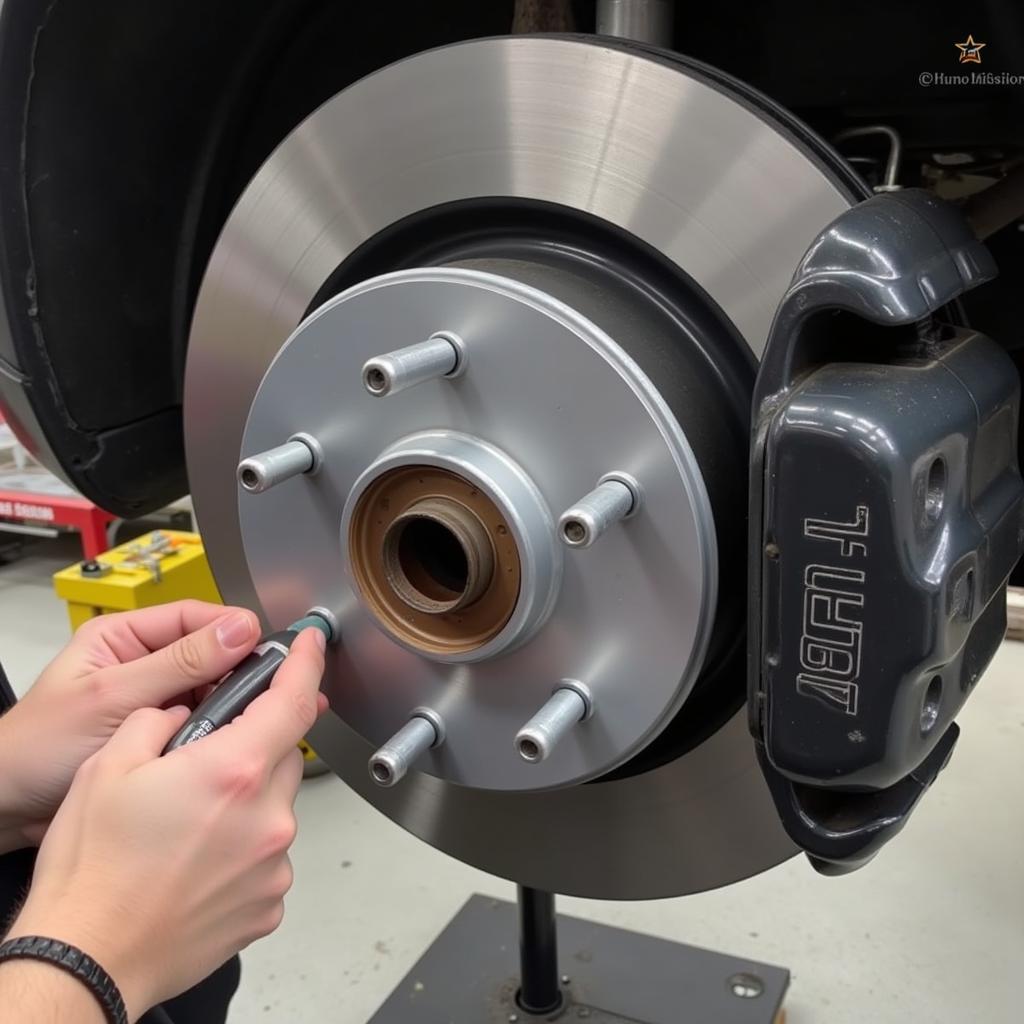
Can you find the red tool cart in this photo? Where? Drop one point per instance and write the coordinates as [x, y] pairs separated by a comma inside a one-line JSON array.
[[34, 501]]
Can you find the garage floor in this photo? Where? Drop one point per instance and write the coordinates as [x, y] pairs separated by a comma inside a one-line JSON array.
[[932, 931]]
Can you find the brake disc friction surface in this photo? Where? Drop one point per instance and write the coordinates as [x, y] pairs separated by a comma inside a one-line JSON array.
[[704, 179]]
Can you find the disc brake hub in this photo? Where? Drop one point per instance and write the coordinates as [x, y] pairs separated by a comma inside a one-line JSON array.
[[433, 524]]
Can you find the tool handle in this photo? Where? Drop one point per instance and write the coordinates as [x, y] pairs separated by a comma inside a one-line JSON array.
[[239, 688]]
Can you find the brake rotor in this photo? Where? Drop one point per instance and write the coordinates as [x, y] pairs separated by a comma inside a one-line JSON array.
[[664, 164]]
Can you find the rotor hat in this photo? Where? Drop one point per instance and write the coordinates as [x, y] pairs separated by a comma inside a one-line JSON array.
[[449, 552]]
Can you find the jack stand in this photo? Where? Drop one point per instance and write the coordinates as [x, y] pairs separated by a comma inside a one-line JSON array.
[[609, 975]]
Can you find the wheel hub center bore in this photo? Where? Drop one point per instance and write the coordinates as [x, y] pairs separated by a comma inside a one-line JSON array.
[[438, 557], [450, 547], [434, 558]]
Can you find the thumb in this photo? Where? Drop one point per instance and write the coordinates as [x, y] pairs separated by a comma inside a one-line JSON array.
[[189, 662], [141, 737]]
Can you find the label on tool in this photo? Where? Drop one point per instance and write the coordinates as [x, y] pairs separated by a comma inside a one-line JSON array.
[[199, 730]]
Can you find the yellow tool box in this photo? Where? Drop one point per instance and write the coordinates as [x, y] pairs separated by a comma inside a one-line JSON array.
[[166, 565]]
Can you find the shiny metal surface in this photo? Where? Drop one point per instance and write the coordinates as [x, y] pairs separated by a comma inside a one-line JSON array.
[[391, 763], [701, 178], [564, 709], [556, 442], [258, 473], [438, 356], [471, 536], [334, 631], [501, 479], [893, 162], [647, 21], [608, 503]]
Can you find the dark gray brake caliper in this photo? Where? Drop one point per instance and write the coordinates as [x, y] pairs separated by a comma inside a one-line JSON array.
[[885, 517]]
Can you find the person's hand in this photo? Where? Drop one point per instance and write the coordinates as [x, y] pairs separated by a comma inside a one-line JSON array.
[[160, 868], [114, 665]]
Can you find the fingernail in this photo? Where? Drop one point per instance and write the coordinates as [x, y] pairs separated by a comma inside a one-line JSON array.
[[321, 640], [235, 630]]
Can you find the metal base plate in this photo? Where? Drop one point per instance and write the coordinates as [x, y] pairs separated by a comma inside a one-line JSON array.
[[469, 976]]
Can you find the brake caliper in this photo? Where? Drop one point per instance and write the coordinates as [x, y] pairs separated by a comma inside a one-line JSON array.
[[886, 517]]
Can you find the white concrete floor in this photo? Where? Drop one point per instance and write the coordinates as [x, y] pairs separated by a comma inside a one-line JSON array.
[[931, 931]]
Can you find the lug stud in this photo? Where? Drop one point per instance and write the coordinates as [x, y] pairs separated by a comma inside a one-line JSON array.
[[568, 706], [300, 454], [424, 730], [616, 497], [441, 355]]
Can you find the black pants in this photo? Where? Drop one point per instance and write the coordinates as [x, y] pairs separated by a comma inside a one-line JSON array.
[[207, 1003]]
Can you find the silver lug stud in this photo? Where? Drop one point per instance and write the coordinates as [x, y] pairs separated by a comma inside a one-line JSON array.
[[300, 454], [568, 706], [441, 355], [616, 497], [393, 760]]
